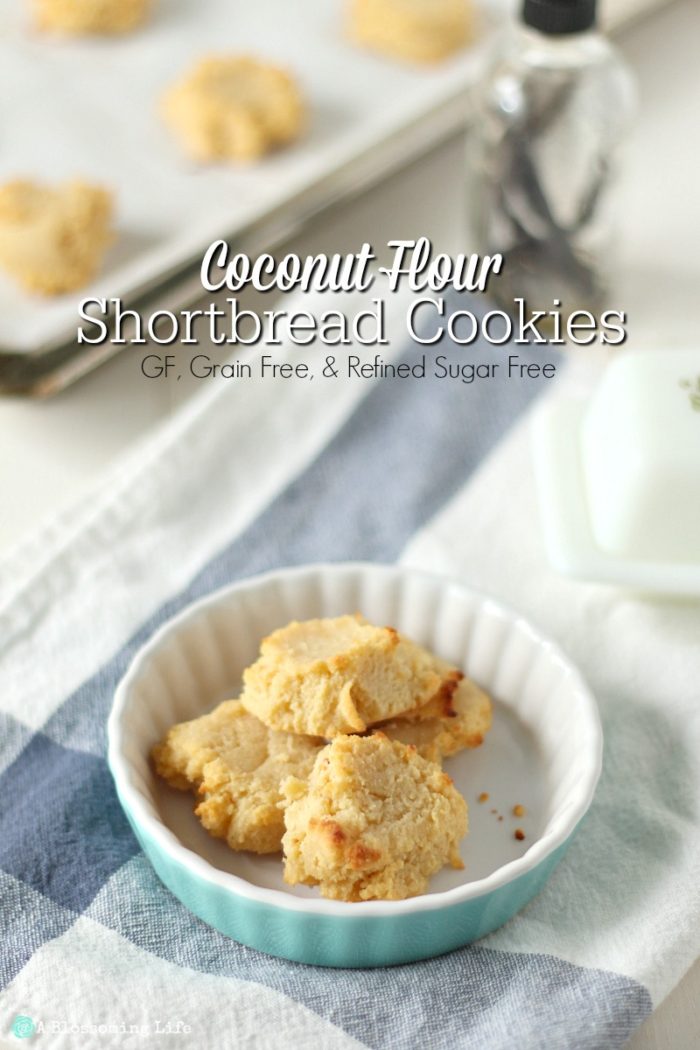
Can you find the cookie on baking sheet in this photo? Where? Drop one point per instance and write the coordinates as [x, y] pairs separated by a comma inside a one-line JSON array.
[[90, 16], [53, 239], [236, 765], [455, 719], [418, 30], [373, 821], [234, 108], [340, 675]]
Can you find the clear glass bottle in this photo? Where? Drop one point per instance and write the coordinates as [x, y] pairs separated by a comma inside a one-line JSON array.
[[550, 116]]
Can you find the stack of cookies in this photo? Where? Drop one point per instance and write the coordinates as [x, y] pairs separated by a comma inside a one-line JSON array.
[[333, 755]]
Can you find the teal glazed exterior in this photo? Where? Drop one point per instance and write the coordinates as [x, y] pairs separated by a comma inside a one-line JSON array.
[[343, 941]]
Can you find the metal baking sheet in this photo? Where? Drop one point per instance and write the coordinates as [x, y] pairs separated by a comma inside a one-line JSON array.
[[88, 107]]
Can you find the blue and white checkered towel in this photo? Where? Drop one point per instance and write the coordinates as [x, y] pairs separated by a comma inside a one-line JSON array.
[[95, 952]]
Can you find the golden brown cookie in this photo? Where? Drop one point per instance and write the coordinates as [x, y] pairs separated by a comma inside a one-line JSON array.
[[231, 108], [455, 719], [236, 765], [418, 30], [323, 677], [373, 821], [90, 16], [52, 240]]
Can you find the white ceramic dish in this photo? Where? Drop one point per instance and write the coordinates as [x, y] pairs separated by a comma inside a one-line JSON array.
[[571, 545], [543, 752]]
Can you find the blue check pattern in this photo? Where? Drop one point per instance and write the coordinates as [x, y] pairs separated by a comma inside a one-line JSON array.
[[66, 849]]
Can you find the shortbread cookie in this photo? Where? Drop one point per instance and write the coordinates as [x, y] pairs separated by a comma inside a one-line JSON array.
[[373, 821], [441, 703], [52, 240], [454, 720], [419, 30], [323, 677], [234, 109], [236, 765], [90, 16]]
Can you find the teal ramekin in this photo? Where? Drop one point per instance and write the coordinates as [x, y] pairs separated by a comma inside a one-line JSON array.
[[196, 659]]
